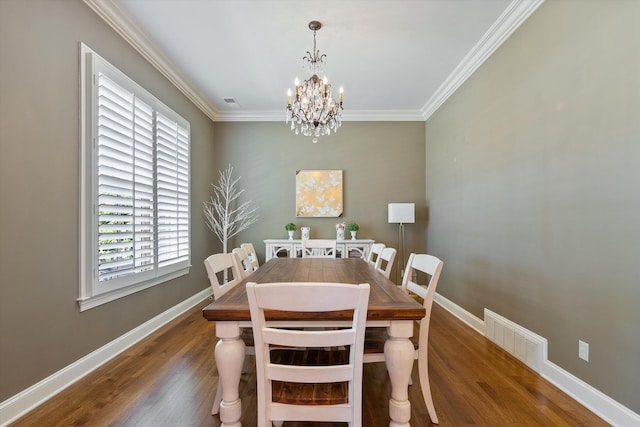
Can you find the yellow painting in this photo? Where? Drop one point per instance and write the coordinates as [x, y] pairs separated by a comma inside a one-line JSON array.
[[319, 193]]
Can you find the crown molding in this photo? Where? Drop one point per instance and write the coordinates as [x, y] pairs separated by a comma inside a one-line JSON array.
[[350, 116], [251, 116], [113, 15], [513, 16], [382, 116]]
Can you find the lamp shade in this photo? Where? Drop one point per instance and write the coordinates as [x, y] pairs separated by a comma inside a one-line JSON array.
[[404, 213]]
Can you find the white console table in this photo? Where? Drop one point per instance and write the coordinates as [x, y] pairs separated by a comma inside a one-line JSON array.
[[293, 248]]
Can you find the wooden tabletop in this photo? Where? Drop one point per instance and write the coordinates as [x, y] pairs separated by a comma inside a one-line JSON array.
[[386, 300]]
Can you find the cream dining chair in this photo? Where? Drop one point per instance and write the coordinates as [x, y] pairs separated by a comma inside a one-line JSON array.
[[376, 337], [244, 262], [248, 247], [327, 385], [318, 248], [385, 261], [216, 265], [374, 254]]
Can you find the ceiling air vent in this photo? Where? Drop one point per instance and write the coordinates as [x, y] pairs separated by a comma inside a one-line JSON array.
[[231, 102]]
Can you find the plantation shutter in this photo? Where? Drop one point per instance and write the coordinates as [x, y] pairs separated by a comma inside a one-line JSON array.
[[143, 187], [172, 148], [125, 182]]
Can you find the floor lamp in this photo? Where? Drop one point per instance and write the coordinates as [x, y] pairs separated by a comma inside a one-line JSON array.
[[402, 213]]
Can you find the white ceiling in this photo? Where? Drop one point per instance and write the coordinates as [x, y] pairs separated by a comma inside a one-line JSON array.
[[397, 59]]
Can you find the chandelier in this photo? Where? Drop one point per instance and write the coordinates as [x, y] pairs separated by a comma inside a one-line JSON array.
[[313, 111]]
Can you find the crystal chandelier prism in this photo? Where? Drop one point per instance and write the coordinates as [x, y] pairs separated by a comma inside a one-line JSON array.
[[314, 112]]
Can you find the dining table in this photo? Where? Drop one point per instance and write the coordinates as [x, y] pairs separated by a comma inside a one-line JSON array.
[[389, 307]]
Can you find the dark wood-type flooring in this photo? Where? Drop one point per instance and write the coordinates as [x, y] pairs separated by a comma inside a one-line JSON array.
[[169, 379]]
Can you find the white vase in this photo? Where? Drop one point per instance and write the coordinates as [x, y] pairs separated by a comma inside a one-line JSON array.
[[340, 234], [305, 233], [290, 234], [353, 235]]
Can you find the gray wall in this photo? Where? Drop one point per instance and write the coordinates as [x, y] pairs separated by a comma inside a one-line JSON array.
[[533, 187], [41, 328], [381, 163]]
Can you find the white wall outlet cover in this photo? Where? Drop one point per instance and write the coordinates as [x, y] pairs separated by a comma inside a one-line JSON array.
[[583, 350]]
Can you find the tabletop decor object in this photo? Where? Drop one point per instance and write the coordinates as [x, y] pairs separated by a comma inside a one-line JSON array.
[[291, 228], [306, 231], [340, 230], [353, 229]]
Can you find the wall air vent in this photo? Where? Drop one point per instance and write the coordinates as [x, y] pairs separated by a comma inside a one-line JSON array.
[[525, 345]]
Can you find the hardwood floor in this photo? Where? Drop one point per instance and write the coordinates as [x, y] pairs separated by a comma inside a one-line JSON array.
[[168, 379]]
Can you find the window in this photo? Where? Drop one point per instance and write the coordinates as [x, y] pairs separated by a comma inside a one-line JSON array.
[[135, 221]]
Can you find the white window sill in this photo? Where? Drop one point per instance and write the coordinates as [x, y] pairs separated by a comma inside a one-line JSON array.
[[97, 300]]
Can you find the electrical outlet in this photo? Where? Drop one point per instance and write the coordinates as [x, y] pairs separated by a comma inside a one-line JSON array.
[[583, 350]]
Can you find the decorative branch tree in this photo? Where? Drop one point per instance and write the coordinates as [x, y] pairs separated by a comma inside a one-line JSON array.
[[224, 216]]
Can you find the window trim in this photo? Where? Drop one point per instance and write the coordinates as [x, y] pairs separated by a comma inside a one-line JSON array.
[[89, 297]]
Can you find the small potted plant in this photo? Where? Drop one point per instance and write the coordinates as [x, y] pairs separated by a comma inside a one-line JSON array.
[[353, 228], [291, 227]]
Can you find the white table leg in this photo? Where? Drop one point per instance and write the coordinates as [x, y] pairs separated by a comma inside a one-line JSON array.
[[399, 355], [229, 355]]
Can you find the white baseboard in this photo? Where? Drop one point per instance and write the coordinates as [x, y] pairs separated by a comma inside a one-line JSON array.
[[460, 313], [597, 402], [18, 405]]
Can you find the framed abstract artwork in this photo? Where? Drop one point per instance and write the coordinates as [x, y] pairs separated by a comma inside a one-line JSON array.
[[319, 193]]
